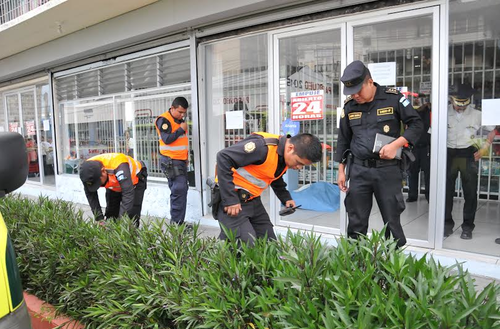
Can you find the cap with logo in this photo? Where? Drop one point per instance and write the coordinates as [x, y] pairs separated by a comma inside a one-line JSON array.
[[353, 77], [90, 174], [461, 94]]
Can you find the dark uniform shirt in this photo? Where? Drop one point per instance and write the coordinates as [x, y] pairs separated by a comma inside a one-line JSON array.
[[425, 115], [360, 122], [235, 156], [128, 193], [166, 134]]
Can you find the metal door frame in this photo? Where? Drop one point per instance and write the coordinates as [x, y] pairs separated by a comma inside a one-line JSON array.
[[274, 91], [18, 92], [439, 12]]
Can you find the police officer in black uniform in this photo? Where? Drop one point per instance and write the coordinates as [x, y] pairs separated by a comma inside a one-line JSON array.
[[369, 110], [422, 152]]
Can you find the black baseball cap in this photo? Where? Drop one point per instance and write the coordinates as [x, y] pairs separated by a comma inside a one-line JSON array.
[[461, 94], [353, 77], [90, 174]]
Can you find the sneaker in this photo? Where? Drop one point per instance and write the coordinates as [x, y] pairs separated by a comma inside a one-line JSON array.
[[411, 199], [448, 232], [466, 235]]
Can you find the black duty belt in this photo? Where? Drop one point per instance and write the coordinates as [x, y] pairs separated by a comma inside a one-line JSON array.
[[376, 163]]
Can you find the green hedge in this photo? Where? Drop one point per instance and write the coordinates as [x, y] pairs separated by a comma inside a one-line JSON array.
[[162, 276]]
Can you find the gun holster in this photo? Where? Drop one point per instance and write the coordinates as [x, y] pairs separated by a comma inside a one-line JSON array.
[[215, 198], [170, 169], [407, 157], [347, 160]]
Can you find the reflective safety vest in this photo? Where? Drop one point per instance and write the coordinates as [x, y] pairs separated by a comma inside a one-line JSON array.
[[111, 161], [256, 178], [178, 149]]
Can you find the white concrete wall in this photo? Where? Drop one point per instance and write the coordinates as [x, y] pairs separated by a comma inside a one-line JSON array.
[[159, 19], [156, 199]]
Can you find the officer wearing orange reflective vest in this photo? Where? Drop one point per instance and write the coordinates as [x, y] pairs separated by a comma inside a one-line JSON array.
[[247, 168], [125, 180], [172, 133]]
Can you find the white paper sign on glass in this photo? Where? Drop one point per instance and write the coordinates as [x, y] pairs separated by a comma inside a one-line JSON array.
[[339, 112], [490, 112], [46, 125], [234, 120], [383, 73], [129, 111]]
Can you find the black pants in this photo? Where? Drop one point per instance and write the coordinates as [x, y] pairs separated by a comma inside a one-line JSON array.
[[386, 184], [252, 222], [47, 168], [462, 160], [422, 163], [179, 188], [114, 199]]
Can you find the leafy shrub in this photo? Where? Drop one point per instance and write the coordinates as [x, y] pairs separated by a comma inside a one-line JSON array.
[[163, 276]]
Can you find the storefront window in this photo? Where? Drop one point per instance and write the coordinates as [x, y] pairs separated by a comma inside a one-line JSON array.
[[472, 215], [119, 110], [2, 116], [28, 113], [310, 66], [46, 132], [90, 125], [136, 115], [405, 44], [236, 93]]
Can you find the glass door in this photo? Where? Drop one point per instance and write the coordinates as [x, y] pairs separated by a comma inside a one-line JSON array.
[[29, 125], [236, 95], [308, 65], [402, 50], [21, 118]]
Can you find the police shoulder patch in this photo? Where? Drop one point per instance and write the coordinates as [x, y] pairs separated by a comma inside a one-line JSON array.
[[120, 176], [348, 99], [391, 91], [249, 147], [164, 126], [403, 100]]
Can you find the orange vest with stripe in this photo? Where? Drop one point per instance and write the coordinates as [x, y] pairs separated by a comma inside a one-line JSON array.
[[256, 178], [111, 161], [178, 149]]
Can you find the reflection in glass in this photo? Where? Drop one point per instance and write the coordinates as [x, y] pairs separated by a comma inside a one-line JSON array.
[[311, 62], [29, 130], [236, 72], [47, 146], [474, 38], [410, 40], [124, 119]]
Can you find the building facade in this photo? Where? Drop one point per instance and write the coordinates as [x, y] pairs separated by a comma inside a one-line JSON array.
[[90, 83]]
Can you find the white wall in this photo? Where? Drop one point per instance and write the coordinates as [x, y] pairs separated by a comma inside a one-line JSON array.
[[159, 19]]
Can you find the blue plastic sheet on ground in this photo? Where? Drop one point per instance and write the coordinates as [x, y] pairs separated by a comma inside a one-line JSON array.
[[320, 196]]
